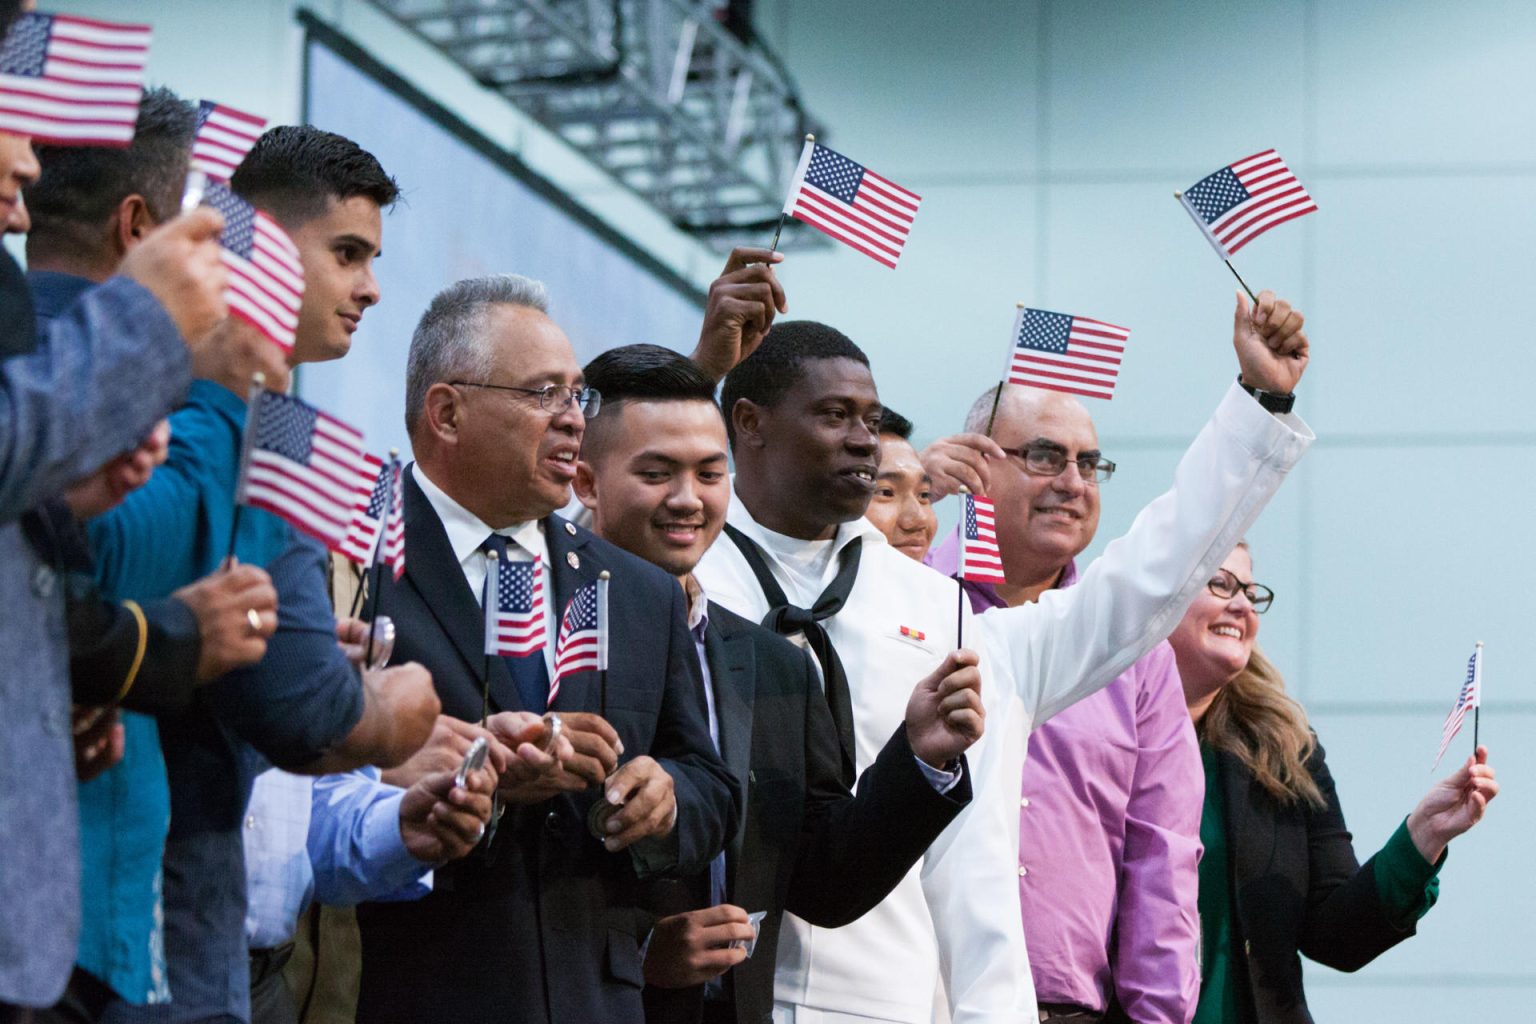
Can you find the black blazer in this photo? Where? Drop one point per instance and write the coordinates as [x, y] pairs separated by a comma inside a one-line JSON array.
[[543, 925], [806, 844], [1297, 888]]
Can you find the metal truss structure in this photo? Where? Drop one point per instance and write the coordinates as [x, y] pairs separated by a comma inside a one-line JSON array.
[[660, 94]]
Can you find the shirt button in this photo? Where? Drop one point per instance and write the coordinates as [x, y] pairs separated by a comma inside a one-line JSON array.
[[1023, 870], [250, 821], [42, 582], [552, 822], [1024, 801]]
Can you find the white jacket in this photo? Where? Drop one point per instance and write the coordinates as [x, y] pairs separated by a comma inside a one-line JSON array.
[[957, 912]]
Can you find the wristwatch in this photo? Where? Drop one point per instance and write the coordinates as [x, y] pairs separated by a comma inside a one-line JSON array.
[[1275, 403]]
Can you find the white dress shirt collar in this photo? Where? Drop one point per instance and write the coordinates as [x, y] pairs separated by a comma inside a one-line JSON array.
[[465, 530]]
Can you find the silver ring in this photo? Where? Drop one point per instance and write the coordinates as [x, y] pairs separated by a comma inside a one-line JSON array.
[[252, 617], [480, 834]]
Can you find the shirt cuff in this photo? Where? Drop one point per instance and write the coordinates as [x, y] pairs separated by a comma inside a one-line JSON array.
[[392, 873], [938, 778], [1406, 883]]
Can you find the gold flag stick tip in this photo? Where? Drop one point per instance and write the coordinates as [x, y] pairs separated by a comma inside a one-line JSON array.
[[491, 555], [605, 574], [1178, 195], [259, 379], [809, 137], [394, 453]]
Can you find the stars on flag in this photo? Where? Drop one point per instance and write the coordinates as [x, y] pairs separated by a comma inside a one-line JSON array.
[[851, 203], [1067, 353], [70, 81]]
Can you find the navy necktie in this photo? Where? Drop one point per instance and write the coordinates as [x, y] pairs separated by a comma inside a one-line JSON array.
[[529, 673]]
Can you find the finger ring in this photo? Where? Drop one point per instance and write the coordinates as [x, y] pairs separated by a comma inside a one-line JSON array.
[[254, 619], [479, 835]]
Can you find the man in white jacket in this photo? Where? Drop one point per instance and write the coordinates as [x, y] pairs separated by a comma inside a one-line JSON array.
[[803, 414]]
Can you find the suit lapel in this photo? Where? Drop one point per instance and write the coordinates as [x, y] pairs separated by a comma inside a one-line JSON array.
[[572, 565], [434, 571], [733, 676]]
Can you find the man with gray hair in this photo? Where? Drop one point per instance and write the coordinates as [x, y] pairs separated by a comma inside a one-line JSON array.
[[542, 922]]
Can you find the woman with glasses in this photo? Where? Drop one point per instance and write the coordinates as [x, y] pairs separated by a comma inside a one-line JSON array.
[[1279, 877]]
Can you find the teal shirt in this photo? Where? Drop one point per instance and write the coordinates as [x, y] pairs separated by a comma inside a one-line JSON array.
[[173, 530], [1406, 884]]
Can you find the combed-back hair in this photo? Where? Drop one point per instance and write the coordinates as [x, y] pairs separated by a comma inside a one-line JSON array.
[[640, 373], [1256, 721], [80, 186], [893, 422], [647, 372], [777, 365], [450, 343], [295, 170]]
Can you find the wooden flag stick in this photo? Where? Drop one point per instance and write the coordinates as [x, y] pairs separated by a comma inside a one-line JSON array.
[[997, 397], [1240, 281], [258, 385]]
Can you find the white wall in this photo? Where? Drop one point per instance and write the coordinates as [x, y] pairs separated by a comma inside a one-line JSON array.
[[1046, 138]]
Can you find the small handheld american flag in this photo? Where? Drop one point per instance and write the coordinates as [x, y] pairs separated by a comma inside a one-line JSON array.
[[514, 608], [980, 559], [71, 81], [303, 465], [1060, 352], [851, 203], [581, 646], [1243, 200], [266, 276], [1470, 698], [376, 535], [224, 136]]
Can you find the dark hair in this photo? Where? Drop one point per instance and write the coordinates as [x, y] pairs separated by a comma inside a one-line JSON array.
[[295, 170], [893, 422], [641, 373], [647, 372], [764, 376], [80, 186]]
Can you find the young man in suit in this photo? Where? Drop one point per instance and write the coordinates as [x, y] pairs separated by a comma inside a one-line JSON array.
[[653, 472], [544, 922]]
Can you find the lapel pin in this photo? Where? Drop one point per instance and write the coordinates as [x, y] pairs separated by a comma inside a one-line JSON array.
[[570, 528], [573, 560]]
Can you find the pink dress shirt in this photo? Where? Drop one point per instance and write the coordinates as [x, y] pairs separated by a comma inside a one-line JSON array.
[[1109, 839]]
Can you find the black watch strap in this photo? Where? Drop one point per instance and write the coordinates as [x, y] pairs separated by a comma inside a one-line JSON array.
[[1275, 403]]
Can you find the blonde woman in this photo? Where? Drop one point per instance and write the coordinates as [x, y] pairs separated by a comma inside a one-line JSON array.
[[1279, 877]]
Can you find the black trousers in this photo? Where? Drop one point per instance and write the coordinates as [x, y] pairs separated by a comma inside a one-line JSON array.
[[85, 999], [272, 1002]]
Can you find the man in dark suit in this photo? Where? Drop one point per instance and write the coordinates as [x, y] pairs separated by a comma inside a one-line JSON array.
[[543, 923], [653, 472]]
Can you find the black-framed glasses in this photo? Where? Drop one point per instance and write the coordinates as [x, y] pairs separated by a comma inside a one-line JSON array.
[[553, 398], [1226, 585], [1048, 460]]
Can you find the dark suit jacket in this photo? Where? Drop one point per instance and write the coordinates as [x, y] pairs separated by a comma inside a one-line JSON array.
[[1297, 889], [544, 925], [806, 844]]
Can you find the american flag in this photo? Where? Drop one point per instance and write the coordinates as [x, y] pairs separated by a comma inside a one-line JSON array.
[[514, 608], [1065, 353], [1471, 696], [303, 465], [266, 277], [980, 559], [380, 518], [1245, 199], [72, 81], [580, 646], [224, 136], [852, 204]]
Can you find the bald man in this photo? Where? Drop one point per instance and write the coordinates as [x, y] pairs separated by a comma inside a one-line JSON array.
[[1109, 810]]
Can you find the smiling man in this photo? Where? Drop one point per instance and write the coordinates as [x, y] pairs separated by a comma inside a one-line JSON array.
[[1109, 811], [902, 505], [544, 923]]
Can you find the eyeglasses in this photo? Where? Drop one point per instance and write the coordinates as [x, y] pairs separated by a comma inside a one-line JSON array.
[[553, 398], [1227, 586], [1042, 460]]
